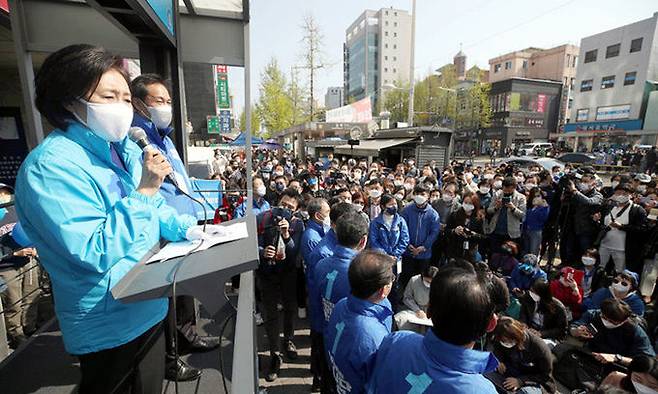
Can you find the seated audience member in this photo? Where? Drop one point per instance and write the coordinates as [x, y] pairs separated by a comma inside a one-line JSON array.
[[525, 359], [504, 261], [623, 288], [594, 275], [525, 274], [416, 299], [543, 313], [565, 288], [612, 333], [360, 322], [442, 361], [641, 377]]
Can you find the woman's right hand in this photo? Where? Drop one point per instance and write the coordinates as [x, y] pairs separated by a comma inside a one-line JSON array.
[[154, 170], [501, 368]]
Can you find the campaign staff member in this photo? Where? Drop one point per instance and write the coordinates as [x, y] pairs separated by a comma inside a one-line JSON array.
[[92, 211]]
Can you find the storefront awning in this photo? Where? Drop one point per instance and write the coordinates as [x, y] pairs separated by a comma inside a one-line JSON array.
[[370, 147]]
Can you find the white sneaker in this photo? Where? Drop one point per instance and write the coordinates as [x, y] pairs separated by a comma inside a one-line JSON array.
[[259, 319], [301, 313]]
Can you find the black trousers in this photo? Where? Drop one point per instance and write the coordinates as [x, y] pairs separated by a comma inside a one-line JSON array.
[[278, 287], [183, 321], [136, 367]]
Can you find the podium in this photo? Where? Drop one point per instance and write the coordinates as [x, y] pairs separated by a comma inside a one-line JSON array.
[[201, 274]]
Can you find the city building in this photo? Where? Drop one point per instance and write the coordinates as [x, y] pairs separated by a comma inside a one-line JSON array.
[[460, 65], [555, 64], [376, 53], [523, 110], [334, 97], [617, 73]]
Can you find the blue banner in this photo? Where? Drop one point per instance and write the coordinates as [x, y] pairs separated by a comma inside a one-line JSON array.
[[611, 125], [208, 192], [164, 9]]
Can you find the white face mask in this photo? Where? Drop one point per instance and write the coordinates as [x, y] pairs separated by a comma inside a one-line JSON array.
[[420, 200], [484, 190], [588, 261], [375, 193], [427, 284], [530, 186], [610, 325], [261, 190], [161, 116], [488, 176], [326, 222], [447, 198], [359, 207], [498, 184], [507, 345], [614, 184], [584, 187], [620, 199], [619, 288], [537, 201], [535, 297], [110, 121], [408, 186], [468, 207]]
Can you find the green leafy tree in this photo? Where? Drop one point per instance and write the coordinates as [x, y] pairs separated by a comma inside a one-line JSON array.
[[396, 101], [255, 121], [275, 109]]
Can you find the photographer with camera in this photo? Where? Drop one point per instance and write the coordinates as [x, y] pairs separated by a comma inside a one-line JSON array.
[[464, 229], [507, 212], [279, 235]]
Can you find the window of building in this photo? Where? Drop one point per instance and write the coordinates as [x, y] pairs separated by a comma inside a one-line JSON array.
[[395, 24], [508, 65], [385, 69], [525, 64], [568, 60], [386, 33], [612, 51], [386, 23], [395, 46], [496, 68], [395, 13], [395, 58], [636, 45], [629, 78], [590, 56], [385, 81], [386, 46], [385, 57], [395, 70], [395, 34], [582, 115], [575, 61], [608, 82], [586, 85]]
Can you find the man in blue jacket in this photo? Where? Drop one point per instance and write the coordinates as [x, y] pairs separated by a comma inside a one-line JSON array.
[[330, 283], [424, 225], [153, 114], [318, 225], [443, 361], [360, 322], [260, 203]]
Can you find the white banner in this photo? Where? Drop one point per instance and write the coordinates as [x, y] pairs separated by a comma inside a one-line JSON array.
[[358, 112]]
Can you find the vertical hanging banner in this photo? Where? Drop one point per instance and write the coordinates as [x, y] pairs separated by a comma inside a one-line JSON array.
[[225, 121], [221, 87]]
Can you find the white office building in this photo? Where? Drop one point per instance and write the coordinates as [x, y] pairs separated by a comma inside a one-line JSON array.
[[616, 74], [334, 97], [376, 53]]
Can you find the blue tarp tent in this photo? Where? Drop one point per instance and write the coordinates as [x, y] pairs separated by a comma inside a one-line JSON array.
[[241, 140]]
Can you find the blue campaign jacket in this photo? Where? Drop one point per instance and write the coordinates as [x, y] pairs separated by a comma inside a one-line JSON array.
[[519, 280], [595, 300], [424, 225], [352, 337], [393, 242], [330, 283], [260, 205], [160, 140], [322, 250], [90, 227], [312, 236], [410, 363]]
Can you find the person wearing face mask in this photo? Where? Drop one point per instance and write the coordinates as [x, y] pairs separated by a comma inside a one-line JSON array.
[[543, 313], [415, 301], [615, 181], [650, 256], [89, 199], [504, 261], [525, 274], [506, 214], [623, 287], [260, 203], [641, 376], [317, 227], [484, 193], [330, 278], [279, 184], [424, 226], [375, 191], [279, 240], [526, 362], [464, 230], [580, 205], [389, 233], [535, 219], [623, 227], [360, 321], [567, 288], [594, 276]]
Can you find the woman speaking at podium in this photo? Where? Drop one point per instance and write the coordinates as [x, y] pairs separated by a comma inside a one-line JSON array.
[[93, 211]]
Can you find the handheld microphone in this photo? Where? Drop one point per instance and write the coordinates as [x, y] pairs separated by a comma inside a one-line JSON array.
[[138, 135]]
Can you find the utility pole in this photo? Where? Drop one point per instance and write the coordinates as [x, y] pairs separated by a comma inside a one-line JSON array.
[[312, 56], [410, 116]]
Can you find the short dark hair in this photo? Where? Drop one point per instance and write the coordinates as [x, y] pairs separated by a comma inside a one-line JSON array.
[[460, 306], [430, 271], [370, 271], [70, 74], [509, 181], [420, 188], [615, 310], [291, 193], [340, 209], [386, 198], [139, 85], [350, 229], [315, 206]]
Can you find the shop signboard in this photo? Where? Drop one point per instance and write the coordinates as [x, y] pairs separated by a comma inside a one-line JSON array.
[[541, 103], [222, 98], [225, 121], [613, 112], [164, 9], [213, 124]]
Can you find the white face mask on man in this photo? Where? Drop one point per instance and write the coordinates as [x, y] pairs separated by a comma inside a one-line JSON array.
[[161, 116], [109, 121]]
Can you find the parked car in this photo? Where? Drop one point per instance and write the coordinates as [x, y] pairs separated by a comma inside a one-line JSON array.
[[577, 158], [532, 148], [524, 162]]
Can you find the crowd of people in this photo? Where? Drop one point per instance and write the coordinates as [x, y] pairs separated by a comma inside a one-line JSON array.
[[450, 278]]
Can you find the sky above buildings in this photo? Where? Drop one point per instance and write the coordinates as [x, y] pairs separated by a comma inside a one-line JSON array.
[[485, 28]]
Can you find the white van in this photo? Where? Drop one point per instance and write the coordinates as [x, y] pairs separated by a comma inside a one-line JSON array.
[[532, 148]]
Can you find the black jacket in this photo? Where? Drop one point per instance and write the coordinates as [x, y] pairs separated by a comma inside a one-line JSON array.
[[555, 321], [533, 365], [636, 233], [455, 244], [578, 212]]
